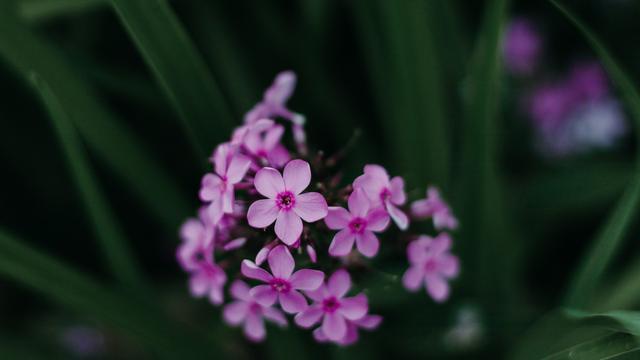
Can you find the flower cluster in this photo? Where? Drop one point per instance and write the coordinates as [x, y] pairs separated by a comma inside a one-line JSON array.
[[265, 206]]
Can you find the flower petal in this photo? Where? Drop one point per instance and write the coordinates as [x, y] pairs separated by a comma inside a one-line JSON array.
[[449, 265], [235, 244], [297, 176], [264, 295], [254, 328], [307, 279], [288, 227], [262, 213], [399, 217], [210, 187], [355, 307], [437, 287], [367, 243], [369, 322], [235, 312], [240, 290], [358, 203], [276, 316], [334, 326], [216, 296], [272, 137], [261, 256], [293, 302], [309, 317], [337, 218], [339, 283], [398, 195], [377, 220], [311, 206], [269, 182], [198, 285], [342, 243], [252, 271], [237, 168], [412, 278], [281, 262], [319, 336]]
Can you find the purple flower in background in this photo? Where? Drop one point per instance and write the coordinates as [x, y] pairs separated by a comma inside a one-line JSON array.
[[245, 310], [434, 206], [282, 284], [431, 264], [549, 104], [382, 191], [588, 82], [522, 47], [218, 188], [83, 341], [367, 322], [197, 236], [286, 204], [356, 225], [332, 307]]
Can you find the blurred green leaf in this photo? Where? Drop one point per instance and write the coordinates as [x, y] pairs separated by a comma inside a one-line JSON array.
[[111, 237], [623, 292], [614, 346], [142, 321], [111, 140], [179, 69], [618, 320], [33, 10], [602, 251]]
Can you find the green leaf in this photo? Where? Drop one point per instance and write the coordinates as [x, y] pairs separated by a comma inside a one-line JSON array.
[[111, 140], [38, 10], [179, 69], [619, 320], [141, 321], [111, 237], [604, 248], [614, 346]]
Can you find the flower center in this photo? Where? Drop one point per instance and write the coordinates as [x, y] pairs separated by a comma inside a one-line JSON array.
[[430, 265], [385, 194], [357, 225], [255, 308], [280, 285], [285, 200], [330, 305]]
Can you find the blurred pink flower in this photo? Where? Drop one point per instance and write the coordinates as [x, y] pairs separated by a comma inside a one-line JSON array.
[[522, 47], [286, 204], [332, 307], [245, 310], [382, 191], [434, 206], [282, 284], [266, 145], [431, 264], [367, 322], [197, 236], [589, 82], [356, 225]]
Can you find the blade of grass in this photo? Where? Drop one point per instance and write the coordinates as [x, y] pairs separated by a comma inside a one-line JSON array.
[[614, 346], [113, 142], [38, 10], [111, 237], [141, 321], [179, 69], [604, 248]]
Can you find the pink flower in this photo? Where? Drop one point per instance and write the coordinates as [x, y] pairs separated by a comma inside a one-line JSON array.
[[333, 308], [434, 206], [380, 190], [285, 204], [283, 284], [208, 280], [218, 188], [367, 322], [197, 235], [266, 145], [431, 263], [274, 100], [246, 310], [356, 225]]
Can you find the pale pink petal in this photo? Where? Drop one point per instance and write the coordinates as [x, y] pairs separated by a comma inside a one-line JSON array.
[[437, 287], [239, 290], [269, 182], [216, 296], [220, 157], [377, 171], [278, 156], [354, 308], [399, 217], [191, 229], [417, 249], [297, 176], [342, 243], [319, 336], [309, 317], [210, 188], [319, 294], [282, 88], [311, 206], [293, 302], [235, 312], [261, 256], [288, 227], [441, 243], [281, 262], [215, 211], [254, 328], [351, 337], [237, 168], [272, 137], [372, 186], [369, 322], [412, 278], [339, 283], [337, 218], [262, 213], [449, 265], [264, 295], [358, 203], [398, 195], [334, 326], [275, 315], [307, 279], [367, 243], [252, 271], [228, 198], [198, 285], [312, 254], [377, 220], [234, 244], [421, 209]]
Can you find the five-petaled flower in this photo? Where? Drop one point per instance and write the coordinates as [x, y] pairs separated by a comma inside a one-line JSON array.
[[356, 225], [367, 322], [334, 309], [434, 206], [382, 191], [431, 263], [246, 310], [286, 204], [282, 284]]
